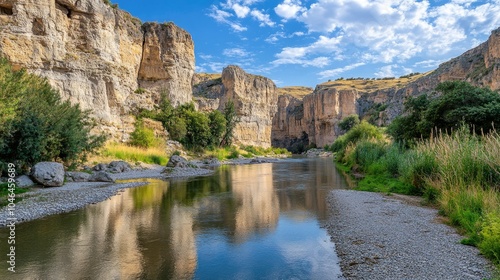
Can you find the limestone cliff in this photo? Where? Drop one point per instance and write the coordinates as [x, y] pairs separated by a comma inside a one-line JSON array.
[[98, 56], [255, 99]]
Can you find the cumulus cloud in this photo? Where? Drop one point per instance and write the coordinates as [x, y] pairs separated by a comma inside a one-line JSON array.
[[289, 9], [335, 72], [240, 11], [297, 55], [401, 29], [386, 71]]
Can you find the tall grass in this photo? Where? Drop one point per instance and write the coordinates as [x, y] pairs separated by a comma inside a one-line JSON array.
[[155, 155]]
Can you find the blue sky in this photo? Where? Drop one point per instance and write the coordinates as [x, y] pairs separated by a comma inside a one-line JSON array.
[[307, 42]]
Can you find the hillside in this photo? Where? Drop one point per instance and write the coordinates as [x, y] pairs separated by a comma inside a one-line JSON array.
[[296, 91]]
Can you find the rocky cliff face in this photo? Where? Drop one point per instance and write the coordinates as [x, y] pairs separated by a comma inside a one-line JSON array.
[[93, 53], [255, 99]]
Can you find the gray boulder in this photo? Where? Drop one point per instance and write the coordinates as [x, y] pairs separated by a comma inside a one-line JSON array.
[[24, 181], [49, 174], [77, 176], [211, 162], [119, 166], [100, 167], [101, 176], [177, 161]]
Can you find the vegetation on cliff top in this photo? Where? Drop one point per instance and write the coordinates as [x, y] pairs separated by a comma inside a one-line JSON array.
[[459, 170], [36, 125]]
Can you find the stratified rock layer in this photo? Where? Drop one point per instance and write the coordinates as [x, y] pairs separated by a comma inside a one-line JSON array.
[[93, 53]]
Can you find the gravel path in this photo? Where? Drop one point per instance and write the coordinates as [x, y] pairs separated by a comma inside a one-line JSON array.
[[382, 237]]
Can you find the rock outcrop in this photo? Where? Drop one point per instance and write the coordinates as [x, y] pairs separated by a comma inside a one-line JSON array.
[[98, 56], [49, 174], [255, 99]]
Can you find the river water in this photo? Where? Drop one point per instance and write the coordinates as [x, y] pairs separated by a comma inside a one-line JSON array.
[[259, 221]]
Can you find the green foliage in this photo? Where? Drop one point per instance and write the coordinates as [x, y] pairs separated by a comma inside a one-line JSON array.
[[140, 91], [217, 127], [458, 103], [177, 128], [349, 122], [231, 121], [359, 132], [142, 136], [36, 125], [490, 237], [418, 167]]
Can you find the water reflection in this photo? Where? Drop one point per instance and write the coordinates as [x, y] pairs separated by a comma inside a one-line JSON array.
[[244, 222]]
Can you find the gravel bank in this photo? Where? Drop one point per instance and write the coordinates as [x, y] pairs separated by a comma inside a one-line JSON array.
[[41, 202], [382, 237]]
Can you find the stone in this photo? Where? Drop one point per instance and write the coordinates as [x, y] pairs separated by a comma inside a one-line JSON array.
[[119, 166], [177, 161], [100, 167], [48, 174], [72, 176], [101, 176], [212, 162], [24, 181]]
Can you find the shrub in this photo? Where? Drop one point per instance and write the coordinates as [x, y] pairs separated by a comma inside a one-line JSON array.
[[142, 136], [349, 122], [36, 125], [490, 237], [359, 132], [217, 127]]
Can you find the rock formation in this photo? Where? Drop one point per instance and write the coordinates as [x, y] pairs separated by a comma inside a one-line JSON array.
[[98, 56]]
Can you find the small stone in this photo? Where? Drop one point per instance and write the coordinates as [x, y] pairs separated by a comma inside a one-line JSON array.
[[101, 176]]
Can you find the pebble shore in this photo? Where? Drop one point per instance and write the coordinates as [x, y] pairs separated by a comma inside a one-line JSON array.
[[386, 237]]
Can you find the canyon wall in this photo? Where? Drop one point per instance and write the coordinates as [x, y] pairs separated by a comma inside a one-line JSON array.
[[98, 56]]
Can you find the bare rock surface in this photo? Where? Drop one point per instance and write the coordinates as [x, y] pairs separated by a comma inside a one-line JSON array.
[[381, 237], [49, 174]]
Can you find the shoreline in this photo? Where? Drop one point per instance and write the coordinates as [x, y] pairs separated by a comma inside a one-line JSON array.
[[388, 237], [38, 202]]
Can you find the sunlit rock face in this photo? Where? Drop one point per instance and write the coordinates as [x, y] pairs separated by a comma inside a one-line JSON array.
[[255, 99], [93, 54]]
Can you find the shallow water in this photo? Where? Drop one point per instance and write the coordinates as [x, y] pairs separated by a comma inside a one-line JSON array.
[[257, 221]]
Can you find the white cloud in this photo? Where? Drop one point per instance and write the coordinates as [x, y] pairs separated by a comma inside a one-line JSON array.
[[289, 9], [297, 55], [264, 19], [240, 11], [206, 56], [334, 72], [235, 52], [200, 69], [399, 30], [431, 63], [319, 62], [298, 33], [222, 17]]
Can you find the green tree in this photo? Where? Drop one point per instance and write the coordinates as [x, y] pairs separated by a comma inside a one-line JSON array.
[[36, 125], [217, 127], [231, 121], [349, 122]]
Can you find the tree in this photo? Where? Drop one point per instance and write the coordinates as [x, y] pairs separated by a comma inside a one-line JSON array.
[[142, 136], [217, 127], [36, 125], [349, 122], [231, 121], [459, 103]]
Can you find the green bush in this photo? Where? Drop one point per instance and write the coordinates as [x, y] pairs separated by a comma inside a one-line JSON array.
[[362, 131], [36, 125], [349, 122], [490, 238], [142, 136], [217, 127], [418, 167]]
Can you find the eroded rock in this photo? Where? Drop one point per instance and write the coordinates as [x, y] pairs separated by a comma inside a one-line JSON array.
[[49, 174]]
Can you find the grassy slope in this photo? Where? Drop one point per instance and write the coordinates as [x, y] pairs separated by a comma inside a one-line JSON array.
[[372, 85], [296, 91]]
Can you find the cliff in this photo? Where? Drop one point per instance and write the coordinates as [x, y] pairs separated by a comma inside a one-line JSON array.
[[313, 119], [98, 56]]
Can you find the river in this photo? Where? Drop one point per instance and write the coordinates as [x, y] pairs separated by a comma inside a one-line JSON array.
[[260, 221]]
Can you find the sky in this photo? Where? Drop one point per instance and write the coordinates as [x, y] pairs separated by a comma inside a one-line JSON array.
[[308, 42]]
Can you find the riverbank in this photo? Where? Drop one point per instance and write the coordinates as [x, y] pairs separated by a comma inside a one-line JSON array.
[[41, 202], [382, 237]]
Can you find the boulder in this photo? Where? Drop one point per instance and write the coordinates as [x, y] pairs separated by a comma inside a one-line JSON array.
[[119, 166], [49, 174], [177, 161], [77, 176], [24, 181], [211, 162], [101, 176], [100, 167]]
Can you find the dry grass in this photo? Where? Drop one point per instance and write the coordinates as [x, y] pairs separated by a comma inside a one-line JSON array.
[[131, 154], [209, 76], [296, 91], [372, 85]]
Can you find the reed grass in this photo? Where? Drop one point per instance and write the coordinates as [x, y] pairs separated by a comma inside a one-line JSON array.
[[113, 151]]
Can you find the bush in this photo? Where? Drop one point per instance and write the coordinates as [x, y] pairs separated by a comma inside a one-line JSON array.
[[142, 136], [359, 132], [349, 122], [36, 125], [490, 237]]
